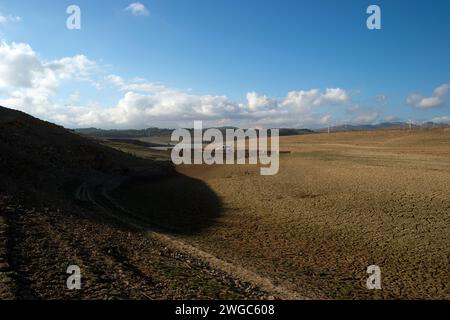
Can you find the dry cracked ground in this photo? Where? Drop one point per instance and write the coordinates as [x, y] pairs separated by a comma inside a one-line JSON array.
[[340, 203]]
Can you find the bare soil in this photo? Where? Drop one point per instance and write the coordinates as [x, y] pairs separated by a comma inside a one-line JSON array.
[[116, 263], [340, 203], [139, 230]]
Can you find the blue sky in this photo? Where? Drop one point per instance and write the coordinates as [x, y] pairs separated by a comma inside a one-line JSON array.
[[227, 62]]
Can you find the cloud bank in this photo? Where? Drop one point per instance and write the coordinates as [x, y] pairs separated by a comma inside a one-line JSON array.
[[32, 85]]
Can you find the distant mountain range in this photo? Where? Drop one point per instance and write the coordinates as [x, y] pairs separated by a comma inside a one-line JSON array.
[[384, 125], [100, 133], [152, 132]]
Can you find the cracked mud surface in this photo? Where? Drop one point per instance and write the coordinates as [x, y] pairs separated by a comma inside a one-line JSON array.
[[340, 203]]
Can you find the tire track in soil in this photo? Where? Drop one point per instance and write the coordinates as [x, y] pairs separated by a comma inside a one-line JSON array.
[[115, 263], [101, 198]]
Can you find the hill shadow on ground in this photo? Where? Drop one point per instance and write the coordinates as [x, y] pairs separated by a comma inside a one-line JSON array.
[[177, 204]]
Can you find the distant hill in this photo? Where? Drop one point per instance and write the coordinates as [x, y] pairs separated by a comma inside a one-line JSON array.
[[294, 132], [152, 132], [384, 125], [100, 133]]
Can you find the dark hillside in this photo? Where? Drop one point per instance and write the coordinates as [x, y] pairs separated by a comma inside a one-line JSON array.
[[56, 211], [37, 156]]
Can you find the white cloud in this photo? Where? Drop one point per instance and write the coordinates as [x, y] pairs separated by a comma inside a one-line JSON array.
[[136, 85], [144, 101], [31, 82], [18, 65], [438, 98], [32, 85], [9, 19], [305, 100], [255, 102], [137, 9], [297, 101]]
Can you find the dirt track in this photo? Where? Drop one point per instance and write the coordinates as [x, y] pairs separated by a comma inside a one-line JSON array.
[[116, 262], [103, 200]]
